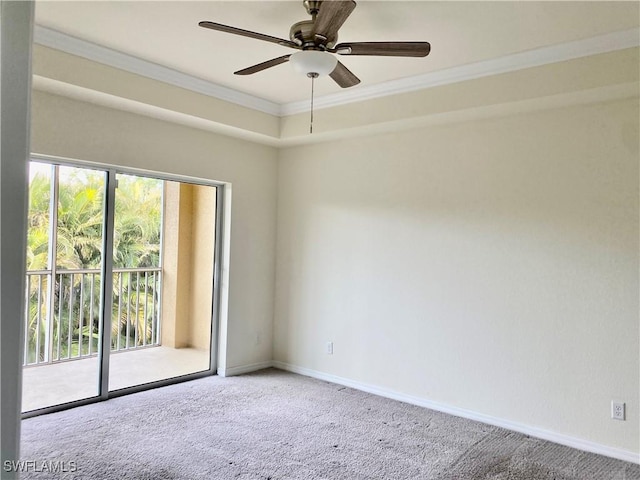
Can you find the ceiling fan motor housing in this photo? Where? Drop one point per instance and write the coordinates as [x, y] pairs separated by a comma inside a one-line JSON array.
[[302, 33]]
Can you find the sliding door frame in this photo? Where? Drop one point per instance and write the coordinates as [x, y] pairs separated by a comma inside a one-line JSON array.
[[106, 292], [104, 351]]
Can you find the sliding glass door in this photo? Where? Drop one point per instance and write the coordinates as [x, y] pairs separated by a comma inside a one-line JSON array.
[[120, 283], [64, 283], [164, 237]]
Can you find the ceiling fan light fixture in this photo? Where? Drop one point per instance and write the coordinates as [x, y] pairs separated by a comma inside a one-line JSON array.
[[313, 62]]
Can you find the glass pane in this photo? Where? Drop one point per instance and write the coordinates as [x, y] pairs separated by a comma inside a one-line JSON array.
[[138, 222], [162, 280], [63, 300], [80, 218], [38, 222]]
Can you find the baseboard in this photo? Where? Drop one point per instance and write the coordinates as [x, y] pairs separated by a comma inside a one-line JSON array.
[[561, 439], [239, 370]]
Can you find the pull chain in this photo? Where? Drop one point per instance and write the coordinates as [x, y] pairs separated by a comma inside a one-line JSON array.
[[312, 76]]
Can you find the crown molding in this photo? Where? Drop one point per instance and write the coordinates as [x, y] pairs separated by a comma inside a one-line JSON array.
[[532, 58], [557, 53], [97, 53]]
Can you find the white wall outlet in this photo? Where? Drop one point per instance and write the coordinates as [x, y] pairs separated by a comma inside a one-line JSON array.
[[617, 410], [329, 348]]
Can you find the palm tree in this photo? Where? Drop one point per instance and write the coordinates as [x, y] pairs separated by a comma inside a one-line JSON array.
[[38, 222], [79, 246], [136, 245], [80, 219], [138, 215], [37, 259]]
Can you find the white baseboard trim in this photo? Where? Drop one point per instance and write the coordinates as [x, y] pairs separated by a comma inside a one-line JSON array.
[[566, 440], [239, 370]]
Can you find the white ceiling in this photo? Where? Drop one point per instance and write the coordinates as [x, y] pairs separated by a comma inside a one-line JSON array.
[[460, 33]]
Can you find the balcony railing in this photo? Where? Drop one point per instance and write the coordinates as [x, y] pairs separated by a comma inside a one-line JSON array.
[[62, 318]]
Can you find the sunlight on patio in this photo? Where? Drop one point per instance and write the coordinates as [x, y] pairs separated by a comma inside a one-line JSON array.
[[53, 384]]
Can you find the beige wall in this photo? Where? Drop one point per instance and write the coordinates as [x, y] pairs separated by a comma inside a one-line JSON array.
[[547, 83], [16, 20], [93, 76], [490, 266], [187, 261], [487, 265], [176, 258], [69, 128], [202, 248]]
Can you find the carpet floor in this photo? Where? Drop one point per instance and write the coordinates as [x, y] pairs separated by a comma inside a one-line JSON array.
[[274, 425]]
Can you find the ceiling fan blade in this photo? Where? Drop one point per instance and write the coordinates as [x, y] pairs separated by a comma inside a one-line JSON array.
[[384, 49], [263, 66], [331, 16], [246, 33], [343, 76]]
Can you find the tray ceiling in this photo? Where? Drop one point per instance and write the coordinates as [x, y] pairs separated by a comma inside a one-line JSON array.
[[461, 33]]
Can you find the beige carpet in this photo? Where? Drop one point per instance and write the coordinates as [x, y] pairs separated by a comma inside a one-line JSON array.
[[277, 425]]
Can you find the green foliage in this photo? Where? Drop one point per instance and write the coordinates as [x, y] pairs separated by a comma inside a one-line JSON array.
[[80, 220], [38, 222], [137, 233], [80, 210]]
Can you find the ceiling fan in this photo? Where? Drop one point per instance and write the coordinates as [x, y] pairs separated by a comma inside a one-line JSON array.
[[316, 41]]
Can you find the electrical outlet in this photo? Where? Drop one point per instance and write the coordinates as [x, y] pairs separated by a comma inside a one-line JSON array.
[[329, 348], [617, 410]]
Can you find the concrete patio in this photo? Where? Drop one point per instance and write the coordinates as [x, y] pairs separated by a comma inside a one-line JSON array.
[[53, 384]]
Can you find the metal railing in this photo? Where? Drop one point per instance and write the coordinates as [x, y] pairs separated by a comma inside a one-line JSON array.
[[62, 318]]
